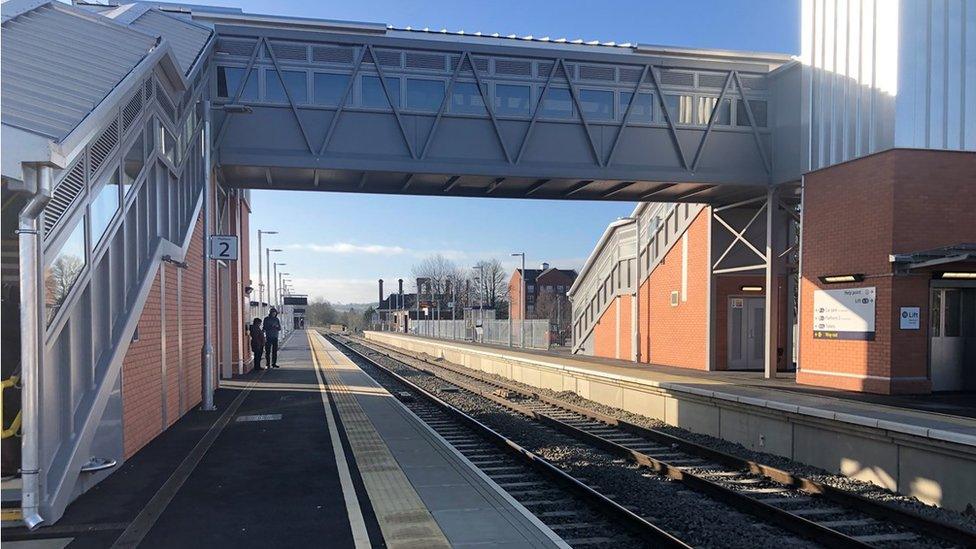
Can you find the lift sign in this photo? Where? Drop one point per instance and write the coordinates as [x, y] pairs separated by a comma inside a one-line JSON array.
[[223, 247]]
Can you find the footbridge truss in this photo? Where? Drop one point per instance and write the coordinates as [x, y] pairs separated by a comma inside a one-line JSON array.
[[366, 108]]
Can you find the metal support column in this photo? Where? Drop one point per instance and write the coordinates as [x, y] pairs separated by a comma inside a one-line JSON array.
[[773, 263]]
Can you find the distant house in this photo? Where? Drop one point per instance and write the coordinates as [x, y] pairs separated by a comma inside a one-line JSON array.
[[538, 282]]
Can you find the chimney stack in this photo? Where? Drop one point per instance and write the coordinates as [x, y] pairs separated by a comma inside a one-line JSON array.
[[381, 294], [545, 266], [400, 292]]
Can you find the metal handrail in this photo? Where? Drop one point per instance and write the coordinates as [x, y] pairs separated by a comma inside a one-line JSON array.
[[15, 424]]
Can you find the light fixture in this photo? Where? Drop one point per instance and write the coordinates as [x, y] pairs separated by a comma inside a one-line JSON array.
[[750, 288], [958, 276], [842, 278]]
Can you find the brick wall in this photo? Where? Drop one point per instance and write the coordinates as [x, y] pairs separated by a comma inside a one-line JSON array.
[[606, 334], [855, 215], [515, 296], [141, 378], [677, 335]]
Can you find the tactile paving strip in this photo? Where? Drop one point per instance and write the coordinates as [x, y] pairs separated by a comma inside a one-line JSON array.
[[402, 516]]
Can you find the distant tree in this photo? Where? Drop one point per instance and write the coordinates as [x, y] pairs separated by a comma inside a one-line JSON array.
[[61, 275], [492, 281]]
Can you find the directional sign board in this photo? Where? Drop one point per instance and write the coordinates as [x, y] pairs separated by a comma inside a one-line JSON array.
[[844, 314], [223, 246]]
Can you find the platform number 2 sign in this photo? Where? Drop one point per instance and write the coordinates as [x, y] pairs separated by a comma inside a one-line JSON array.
[[223, 247]]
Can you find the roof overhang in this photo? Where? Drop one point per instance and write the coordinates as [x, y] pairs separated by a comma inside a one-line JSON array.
[[956, 256]]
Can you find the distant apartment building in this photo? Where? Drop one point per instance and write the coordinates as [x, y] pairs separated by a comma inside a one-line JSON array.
[[539, 284]]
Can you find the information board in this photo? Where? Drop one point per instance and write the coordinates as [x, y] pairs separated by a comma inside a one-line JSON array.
[[844, 314], [910, 318], [224, 247]]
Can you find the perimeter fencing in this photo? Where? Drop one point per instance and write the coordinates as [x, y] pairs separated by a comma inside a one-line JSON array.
[[496, 332]]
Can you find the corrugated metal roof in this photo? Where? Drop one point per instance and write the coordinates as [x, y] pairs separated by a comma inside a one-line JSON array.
[[59, 63], [186, 37]]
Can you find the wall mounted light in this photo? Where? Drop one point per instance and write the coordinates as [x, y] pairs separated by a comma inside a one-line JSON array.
[[750, 288], [842, 278], [957, 276]]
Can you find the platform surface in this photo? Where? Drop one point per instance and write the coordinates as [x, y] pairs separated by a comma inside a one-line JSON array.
[[750, 388], [312, 453]]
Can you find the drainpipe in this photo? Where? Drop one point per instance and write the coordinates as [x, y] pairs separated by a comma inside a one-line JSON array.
[[31, 304]]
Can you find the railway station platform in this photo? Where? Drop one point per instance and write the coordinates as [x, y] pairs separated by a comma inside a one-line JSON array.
[[312, 452], [895, 442]]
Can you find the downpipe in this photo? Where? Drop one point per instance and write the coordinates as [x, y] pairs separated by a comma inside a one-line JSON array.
[[31, 304], [208, 350]]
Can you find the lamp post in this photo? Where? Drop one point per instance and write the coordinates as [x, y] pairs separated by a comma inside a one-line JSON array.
[[521, 299], [275, 281], [267, 265], [260, 269]]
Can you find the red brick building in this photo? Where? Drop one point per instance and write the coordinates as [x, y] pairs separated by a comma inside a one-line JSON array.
[[538, 282]]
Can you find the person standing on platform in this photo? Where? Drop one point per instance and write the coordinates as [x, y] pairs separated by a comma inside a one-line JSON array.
[[257, 342], [272, 327]]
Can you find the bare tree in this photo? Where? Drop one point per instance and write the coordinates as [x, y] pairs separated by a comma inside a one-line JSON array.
[[59, 279], [492, 281]]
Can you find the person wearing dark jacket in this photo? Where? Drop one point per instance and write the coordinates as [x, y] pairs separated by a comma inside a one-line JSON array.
[[272, 327], [257, 342]]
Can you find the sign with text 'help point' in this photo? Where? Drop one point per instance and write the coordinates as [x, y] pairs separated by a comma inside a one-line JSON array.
[[844, 314]]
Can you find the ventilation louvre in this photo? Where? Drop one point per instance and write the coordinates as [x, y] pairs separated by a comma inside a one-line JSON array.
[[677, 78], [64, 195], [513, 67], [238, 48], [386, 58], [427, 61], [150, 88], [594, 72], [131, 110], [711, 80], [332, 54], [291, 52], [480, 62], [628, 74], [103, 146], [753, 82], [543, 67]]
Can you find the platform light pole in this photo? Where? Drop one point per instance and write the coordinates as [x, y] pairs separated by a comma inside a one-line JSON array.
[[267, 265], [522, 308], [275, 280], [260, 269]]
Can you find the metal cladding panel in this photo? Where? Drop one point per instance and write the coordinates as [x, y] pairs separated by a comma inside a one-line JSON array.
[[58, 63], [187, 38]]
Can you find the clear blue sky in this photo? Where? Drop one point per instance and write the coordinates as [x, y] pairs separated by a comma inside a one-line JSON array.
[[338, 245]]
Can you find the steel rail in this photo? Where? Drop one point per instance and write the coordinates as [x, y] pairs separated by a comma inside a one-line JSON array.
[[602, 503], [800, 525]]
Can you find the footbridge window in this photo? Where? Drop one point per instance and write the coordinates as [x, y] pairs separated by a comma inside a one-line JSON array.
[[597, 104], [758, 108], [63, 271], [328, 88], [641, 111], [424, 95], [229, 79], [374, 96], [105, 205], [466, 99], [296, 83], [557, 104], [512, 100]]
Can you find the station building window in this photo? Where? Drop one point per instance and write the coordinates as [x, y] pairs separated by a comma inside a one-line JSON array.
[[375, 97], [104, 206], [597, 104], [63, 271], [680, 108], [466, 99], [558, 103], [512, 99], [229, 79], [328, 88], [295, 81], [424, 95], [758, 112], [643, 108]]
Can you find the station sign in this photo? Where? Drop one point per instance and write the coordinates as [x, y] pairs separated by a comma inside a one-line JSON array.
[[295, 300], [844, 314], [223, 247], [910, 318]]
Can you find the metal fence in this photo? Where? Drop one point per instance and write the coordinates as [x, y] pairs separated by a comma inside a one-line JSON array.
[[497, 332]]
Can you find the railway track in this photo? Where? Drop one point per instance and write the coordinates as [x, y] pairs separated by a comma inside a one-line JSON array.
[[579, 513], [826, 515]]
